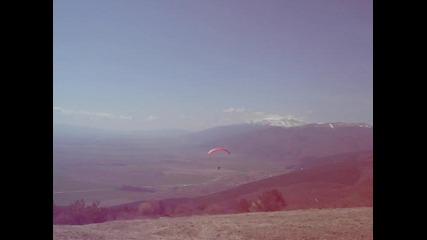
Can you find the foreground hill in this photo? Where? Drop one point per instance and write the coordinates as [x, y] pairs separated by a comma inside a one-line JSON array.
[[342, 180], [340, 223], [338, 181]]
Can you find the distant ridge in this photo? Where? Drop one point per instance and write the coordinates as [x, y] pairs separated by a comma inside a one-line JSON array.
[[288, 143]]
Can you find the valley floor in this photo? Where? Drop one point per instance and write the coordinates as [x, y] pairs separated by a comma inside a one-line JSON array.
[[339, 223]]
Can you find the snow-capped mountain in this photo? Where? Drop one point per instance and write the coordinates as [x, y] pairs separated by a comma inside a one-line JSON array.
[[339, 124], [283, 140], [289, 122], [278, 122]]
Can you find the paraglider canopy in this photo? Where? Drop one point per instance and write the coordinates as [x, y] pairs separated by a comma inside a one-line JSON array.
[[218, 149]]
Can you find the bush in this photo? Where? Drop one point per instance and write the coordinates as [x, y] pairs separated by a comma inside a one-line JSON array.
[[145, 208], [151, 208], [182, 209], [214, 208], [271, 201], [243, 205], [79, 213]]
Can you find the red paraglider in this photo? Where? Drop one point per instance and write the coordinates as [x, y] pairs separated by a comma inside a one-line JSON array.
[[218, 149]]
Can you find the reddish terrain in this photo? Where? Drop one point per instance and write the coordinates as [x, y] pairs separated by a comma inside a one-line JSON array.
[[340, 181], [270, 169]]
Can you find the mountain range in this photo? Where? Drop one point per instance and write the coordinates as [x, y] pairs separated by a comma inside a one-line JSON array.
[[290, 143]]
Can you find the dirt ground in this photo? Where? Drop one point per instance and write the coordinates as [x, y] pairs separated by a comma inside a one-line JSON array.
[[342, 224]]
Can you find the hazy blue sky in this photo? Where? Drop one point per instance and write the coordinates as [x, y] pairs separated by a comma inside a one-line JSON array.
[[194, 64]]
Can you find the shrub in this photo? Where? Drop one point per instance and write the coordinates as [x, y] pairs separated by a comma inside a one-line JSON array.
[[79, 213], [243, 205], [146, 208], [214, 208], [182, 209], [271, 201]]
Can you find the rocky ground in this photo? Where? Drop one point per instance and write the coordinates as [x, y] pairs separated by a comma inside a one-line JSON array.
[[339, 223]]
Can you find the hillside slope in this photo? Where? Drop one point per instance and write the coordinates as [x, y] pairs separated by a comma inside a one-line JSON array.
[[343, 224], [343, 180]]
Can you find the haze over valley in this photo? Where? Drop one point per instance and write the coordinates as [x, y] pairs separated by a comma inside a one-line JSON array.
[[116, 167], [145, 91]]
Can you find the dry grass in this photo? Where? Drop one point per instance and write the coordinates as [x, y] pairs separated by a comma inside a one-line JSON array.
[[342, 224]]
